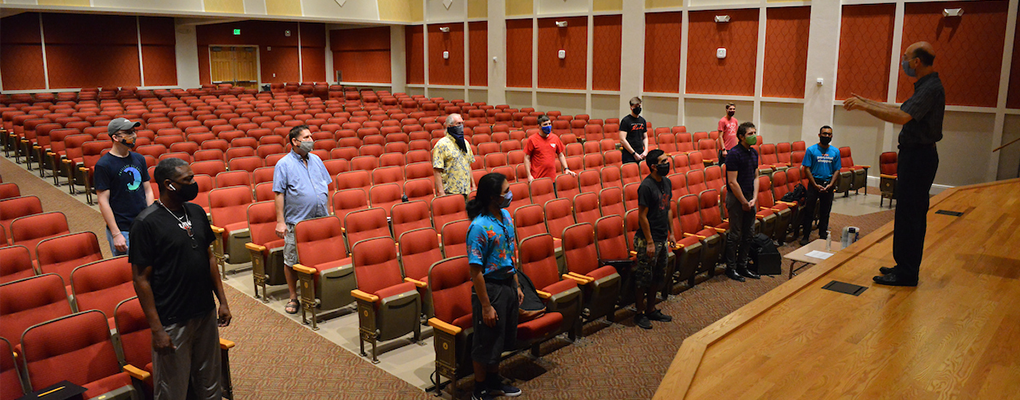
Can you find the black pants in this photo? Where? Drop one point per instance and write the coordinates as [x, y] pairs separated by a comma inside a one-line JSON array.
[[490, 342], [915, 172], [738, 239], [824, 200]]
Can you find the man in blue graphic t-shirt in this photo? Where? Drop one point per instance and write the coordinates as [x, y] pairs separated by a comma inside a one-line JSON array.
[[122, 184], [822, 163]]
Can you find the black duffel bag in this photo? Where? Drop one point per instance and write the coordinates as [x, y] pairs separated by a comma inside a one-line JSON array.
[[764, 257]]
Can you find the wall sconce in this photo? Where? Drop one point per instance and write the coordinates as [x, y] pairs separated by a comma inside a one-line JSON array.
[[444, 29], [952, 12], [446, 55], [562, 54], [561, 24], [722, 18]]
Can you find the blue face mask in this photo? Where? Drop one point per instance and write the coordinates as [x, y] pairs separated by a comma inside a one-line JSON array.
[[507, 198], [547, 129], [907, 70]]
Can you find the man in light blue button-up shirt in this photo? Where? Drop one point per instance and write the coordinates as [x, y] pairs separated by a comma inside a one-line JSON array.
[[301, 184]]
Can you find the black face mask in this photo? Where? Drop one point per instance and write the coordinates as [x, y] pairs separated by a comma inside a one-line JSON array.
[[186, 192], [637, 110], [130, 143], [662, 169], [825, 140], [730, 113]]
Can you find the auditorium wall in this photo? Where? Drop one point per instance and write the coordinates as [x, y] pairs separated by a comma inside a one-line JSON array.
[[278, 52]]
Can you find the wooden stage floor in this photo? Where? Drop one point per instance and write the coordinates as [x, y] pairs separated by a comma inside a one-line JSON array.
[[956, 335]]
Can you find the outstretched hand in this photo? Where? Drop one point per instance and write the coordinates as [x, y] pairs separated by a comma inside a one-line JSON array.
[[854, 102]]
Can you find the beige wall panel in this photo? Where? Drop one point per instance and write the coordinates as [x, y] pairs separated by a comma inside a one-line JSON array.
[[663, 3], [702, 3], [65, 3], [437, 11], [477, 95], [283, 7], [254, 6], [562, 6], [478, 9], [658, 111], [567, 103], [519, 7], [605, 106], [964, 149], [703, 115], [400, 10], [24, 2], [518, 100], [1009, 160], [331, 9], [449, 94], [780, 122], [411, 91], [156, 5], [607, 5], [865, 136], [225, 6]]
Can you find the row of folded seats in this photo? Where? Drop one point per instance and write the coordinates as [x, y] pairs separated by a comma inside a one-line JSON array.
[[61, 302]]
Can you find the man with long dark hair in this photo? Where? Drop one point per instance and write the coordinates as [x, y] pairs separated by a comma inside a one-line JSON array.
[[496, 294]]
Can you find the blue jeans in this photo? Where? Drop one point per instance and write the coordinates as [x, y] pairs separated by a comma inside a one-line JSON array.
[[113, 249]]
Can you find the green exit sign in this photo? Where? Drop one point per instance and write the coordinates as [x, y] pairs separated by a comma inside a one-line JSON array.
[[237, 32]]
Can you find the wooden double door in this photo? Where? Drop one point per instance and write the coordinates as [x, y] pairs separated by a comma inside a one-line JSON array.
[[237, 65]]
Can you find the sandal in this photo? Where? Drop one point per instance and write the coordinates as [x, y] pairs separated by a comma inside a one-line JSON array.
[[292, 307]]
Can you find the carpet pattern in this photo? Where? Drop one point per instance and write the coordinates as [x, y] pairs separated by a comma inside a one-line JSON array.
[[277, 359]]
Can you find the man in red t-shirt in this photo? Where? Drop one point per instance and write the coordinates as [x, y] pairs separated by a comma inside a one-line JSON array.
[[541, 152], [727, 131]]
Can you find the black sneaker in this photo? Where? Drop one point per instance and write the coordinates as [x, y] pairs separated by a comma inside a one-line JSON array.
[[506, 390], [642, 321], [657, 315], [804, 241], [484, 394]]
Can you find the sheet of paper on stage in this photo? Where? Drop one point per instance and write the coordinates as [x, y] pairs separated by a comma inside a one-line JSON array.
[[821, 255]]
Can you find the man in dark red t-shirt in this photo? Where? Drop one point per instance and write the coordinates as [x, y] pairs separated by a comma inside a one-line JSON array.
[[541, 152]]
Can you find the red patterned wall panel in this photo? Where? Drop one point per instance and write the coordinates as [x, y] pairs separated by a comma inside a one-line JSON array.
[[662, 52], [204, 74], [313, 35], [283, 61], [21, 61], [157, 30], [446, 71], [606, 52], [733, 75], [865, 45], [968, 50], [313, 63], [1013, 98], [160, 65], [263, 33], [94, 29], [87, 65], [786, 49], [478, 54], [518, 52], [362, 55], [570, 72], [414, 43]]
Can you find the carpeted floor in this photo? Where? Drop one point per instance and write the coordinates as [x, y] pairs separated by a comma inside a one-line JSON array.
[[277, 359]]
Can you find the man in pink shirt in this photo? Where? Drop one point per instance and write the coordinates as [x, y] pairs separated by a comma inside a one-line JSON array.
[[541, 152], [727, 131]]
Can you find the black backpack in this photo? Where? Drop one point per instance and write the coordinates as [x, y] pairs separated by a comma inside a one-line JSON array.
[[798, 194], [763, 257]]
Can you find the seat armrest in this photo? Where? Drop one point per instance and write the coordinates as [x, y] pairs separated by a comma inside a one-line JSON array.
[[580, 279], [371, 298], [691, 234], [543, 295], [888, 176], [217, 230], [137, 373], [255, 247], [226, 344], [303, 269], [416, 282], [445, 327], [791, 204]]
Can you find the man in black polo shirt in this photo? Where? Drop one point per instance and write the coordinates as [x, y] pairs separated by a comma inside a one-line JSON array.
[[921, 116], [175, 277], [633, 137], [741, 201]]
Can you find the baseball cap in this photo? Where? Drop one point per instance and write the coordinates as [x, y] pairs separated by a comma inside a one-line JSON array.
[[121, 124]]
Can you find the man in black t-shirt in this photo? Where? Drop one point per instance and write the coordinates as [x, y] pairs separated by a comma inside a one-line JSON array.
[[122, 184], [633, 140], [175, 277], [654, 213]]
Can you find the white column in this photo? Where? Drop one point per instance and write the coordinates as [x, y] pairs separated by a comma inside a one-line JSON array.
[[823, 48], [398, 59], [187, 54], [632, 53], [496, 30]]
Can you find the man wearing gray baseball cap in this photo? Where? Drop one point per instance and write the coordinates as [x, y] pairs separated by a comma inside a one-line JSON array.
[[122, 184]]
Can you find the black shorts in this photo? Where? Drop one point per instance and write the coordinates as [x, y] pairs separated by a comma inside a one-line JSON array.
[[649, 271], [488, 344]]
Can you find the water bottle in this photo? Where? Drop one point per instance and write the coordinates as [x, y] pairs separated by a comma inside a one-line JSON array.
[[828, 240], [850, 235]]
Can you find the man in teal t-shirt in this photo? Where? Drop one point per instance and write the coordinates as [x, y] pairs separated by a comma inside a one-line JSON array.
[[822, 163]]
